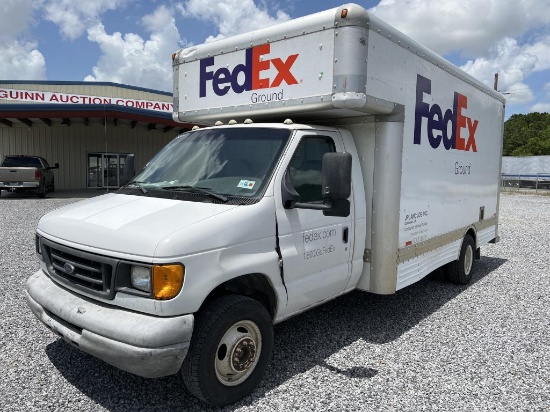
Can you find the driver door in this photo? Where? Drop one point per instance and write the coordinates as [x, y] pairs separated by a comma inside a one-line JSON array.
[[316, 249]]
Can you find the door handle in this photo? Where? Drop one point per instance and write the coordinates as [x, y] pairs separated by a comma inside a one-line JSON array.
[[345, 235]]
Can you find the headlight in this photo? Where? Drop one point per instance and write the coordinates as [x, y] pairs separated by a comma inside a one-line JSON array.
[[141, 278], [164, 281]]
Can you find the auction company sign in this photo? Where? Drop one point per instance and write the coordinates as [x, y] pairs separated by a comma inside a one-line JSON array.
[[33, 96]]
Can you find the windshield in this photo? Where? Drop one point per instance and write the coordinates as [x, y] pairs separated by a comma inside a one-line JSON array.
[[225, 161]]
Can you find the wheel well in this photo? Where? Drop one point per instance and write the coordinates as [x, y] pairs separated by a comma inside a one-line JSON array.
[[472, 233], [253, 285]]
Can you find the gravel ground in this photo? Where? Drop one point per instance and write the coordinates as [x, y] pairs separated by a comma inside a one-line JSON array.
[[432, 346]]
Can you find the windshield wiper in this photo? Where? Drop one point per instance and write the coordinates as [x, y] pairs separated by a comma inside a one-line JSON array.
[[196, 189], [139, 185]]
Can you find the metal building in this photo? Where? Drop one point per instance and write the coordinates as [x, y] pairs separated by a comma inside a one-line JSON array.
[[526, 166], [526, 172], [88, 128]]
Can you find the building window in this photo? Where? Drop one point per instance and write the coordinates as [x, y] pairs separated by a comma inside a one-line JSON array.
[[105, 170]]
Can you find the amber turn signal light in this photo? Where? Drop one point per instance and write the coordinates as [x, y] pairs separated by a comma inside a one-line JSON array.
[[167, 281]]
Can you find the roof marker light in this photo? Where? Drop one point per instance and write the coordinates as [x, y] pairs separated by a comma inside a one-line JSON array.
[[344, 13], [248, 121]]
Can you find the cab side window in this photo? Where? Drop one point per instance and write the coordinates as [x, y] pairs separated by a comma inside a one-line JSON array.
[[305, 168]]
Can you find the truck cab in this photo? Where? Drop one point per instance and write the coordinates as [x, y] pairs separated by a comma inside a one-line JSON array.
[[224, 211]]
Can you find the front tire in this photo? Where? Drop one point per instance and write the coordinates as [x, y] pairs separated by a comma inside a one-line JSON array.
[[460, 271], [230, 350]]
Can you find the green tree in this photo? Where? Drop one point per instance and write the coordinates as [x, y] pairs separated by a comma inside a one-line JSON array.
[[527, 135]]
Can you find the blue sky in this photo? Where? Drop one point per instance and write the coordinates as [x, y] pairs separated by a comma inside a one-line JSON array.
[[131, 41]]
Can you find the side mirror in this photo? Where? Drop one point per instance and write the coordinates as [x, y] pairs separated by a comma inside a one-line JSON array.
[[129, 170], [337, 176], [55, 166], [336, 187]]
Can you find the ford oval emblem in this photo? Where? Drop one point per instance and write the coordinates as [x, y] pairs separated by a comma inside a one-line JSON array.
[[69, 269]]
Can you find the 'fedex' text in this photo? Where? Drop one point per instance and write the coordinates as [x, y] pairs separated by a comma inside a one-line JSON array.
[[224, 79], [463, 128]]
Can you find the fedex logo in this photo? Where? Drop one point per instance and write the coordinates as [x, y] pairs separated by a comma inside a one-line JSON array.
[[462, 130], [252, 78]]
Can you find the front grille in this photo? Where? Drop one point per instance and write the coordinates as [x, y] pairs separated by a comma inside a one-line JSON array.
[[81, 270], [84, 272]]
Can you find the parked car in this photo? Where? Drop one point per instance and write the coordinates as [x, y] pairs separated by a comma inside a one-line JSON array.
[[27, 173]]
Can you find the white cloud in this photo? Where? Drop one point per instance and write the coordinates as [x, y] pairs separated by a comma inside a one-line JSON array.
[[508, 59], [16, 16], [488, 31], [470, 26], [130, 59], [514, 63], [158, 20], [75, 17], [21, 61], [541, 49], [518, 93], [231, 16], [541, 108], [20, 58]]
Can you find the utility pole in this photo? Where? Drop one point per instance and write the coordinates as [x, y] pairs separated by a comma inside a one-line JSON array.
[[496, 82]]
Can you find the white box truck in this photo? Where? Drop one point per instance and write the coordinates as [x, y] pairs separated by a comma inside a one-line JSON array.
[[340, 155]]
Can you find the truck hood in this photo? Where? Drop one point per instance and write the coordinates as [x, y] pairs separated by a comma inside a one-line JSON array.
[[148, 227]]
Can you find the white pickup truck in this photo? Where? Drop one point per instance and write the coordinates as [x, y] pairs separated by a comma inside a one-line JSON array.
[[341, 155], [20, 173]]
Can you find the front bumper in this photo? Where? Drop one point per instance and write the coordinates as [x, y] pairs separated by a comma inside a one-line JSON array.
[[141, 344]]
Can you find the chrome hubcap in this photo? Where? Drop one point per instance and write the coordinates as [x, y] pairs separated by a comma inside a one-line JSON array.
[[468, 260], [238, 353]]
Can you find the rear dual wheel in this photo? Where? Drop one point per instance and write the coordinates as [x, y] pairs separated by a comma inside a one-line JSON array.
[[460, 271], [230, 350]]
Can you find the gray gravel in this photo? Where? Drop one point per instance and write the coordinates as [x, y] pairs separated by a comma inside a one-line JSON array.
[[433, 346]]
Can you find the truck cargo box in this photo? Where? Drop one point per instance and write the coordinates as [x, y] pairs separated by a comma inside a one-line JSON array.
[[337, 63]]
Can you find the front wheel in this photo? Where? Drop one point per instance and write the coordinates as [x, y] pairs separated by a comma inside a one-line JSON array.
[[460, 271], [230, 350]]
